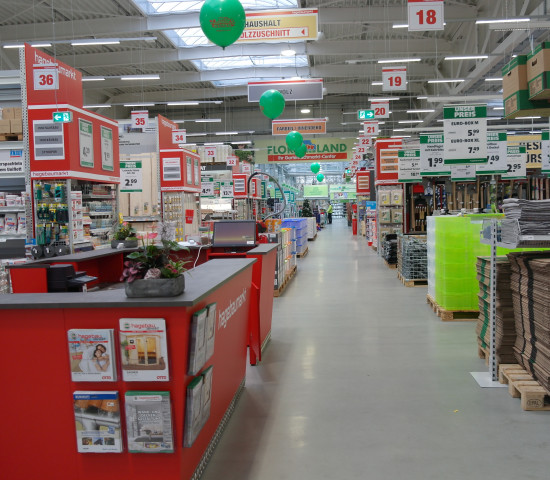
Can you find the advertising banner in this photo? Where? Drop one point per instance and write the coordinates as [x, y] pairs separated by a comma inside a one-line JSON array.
[[280, 25], [305, 126]]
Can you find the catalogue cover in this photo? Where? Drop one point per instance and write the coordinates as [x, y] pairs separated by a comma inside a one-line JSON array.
[[206, 398], [144, 350], [210, 333], [91, 355], [197, 344], [193, 417], [149, 422], [97, 421]]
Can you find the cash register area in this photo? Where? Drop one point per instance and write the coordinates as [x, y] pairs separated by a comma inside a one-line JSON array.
[[362, 381]]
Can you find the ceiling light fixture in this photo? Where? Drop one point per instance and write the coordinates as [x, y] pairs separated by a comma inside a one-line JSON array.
[[382, 99], [421, 111], [498, 108], [400, 25], [503, 20], [497, 79], [41, 45], [98, 106], [288, 53], [139, 104], [400, 60], [208, 120], [244, 142], [447, 80], [173, 104], [527, 118], [305, 110], [197, 134], [226, 133], [377, 84], [93, 79], [98, 41], [140, 77], [213, 143], [468, 57], [410, 121], [422, 98], [14, 45]]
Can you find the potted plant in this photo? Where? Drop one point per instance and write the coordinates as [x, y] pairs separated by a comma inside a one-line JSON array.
[[154, 271], [124, 233]]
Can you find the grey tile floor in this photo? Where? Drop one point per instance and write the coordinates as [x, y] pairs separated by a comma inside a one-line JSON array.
[[362, 381]]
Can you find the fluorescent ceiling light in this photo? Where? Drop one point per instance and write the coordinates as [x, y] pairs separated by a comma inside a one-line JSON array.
[[375, 84], [400, 25], [196, 134], [244, 142], [527, 118], [139, 104], [214, 143], [226, 133], [295, 78], [421, 111], [400, 60], [385, 99], [493, 79], [410, 121], [468, 57], [503, 20], [44, 44], [182, 103], [15, 45], [447, 80], [93, 79], [288, 53], [140, 77], [498, 108], [399, 129], [98, 41], [305, 110], [208, 120], [98, 106], [422, 98]]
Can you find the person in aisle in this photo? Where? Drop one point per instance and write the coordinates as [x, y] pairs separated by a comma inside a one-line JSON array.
[[329, 213]]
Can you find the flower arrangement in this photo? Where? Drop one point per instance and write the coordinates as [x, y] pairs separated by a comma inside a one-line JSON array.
[[123, 231], [154, 260]]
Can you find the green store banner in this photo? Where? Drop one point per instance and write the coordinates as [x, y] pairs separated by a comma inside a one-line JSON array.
[[275, 150], [315, 191]]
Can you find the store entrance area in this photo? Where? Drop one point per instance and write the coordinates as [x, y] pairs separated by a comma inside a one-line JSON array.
[[361, 380]]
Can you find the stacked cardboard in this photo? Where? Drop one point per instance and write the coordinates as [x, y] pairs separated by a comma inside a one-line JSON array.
[[11, 123], [505, 329], [530, 284]]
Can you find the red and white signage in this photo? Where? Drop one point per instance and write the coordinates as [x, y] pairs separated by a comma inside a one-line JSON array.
[[210, 152], [425, 15], [371, 128], [387, 162], [381, 109], [365, 141], [179, 136], [231, 160], [139, 118], [363, 183], [46, 77], [240, 189], [394, 79], [246, 168]]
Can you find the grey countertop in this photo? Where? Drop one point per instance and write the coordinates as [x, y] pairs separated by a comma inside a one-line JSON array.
[[199, 283], [263, 249], [80, 257]]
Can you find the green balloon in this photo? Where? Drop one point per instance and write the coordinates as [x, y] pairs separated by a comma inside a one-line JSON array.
[[222, 21], [301, 151], [272, 103], [294, 139], [320, 177], [315, 167]]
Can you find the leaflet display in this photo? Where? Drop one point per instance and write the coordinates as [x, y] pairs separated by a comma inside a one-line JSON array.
[[91, 355]]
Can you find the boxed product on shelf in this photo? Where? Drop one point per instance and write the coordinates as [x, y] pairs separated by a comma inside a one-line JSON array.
[[385, 197], [385, 215], [5, 127], [10, 223], [538, 72], [2, 224], [16, 126], [21, 223], [397, 215], [397, 196]]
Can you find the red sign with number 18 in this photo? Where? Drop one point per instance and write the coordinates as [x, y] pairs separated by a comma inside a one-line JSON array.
[[425, 15]]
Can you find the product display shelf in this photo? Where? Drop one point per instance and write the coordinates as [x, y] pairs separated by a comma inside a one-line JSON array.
[[412, 259], [389, 212], [338, 210]]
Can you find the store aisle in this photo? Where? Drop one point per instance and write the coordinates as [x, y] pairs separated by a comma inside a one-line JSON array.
[[362, 381]]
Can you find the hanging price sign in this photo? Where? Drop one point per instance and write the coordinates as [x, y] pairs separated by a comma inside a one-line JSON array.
[[516, 163], [465, 128], [207, 187], [371, 128], [231, 160], [431, 156], [131, 177], [226, 190], [381, 109], [179, 136], [496, 154], [463, 173], [139, 118], [545, 152], [394, 79], [425, 15], [46, 76], [409, 166]]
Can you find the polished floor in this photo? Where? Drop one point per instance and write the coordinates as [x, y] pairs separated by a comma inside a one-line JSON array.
[[362, 381]]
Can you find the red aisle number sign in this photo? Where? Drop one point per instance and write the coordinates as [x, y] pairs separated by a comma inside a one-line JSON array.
[[371, 128], [425, 15], [139, 118], [394, 78], [210, 152], [381, 110], [46, 77], [231, 160], [365, 141], [179, 136]]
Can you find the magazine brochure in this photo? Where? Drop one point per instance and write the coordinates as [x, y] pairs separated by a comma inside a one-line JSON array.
[[193, 418], [197, 347], [91, 355], [210, 333]]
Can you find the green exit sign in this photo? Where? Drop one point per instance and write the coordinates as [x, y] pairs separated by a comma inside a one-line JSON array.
[[64, 117], [365, 114]]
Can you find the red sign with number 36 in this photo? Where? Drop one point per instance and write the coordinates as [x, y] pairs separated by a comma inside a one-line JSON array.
[[425, 15]]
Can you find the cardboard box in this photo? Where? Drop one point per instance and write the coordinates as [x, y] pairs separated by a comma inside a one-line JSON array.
[[538, 72], [519, 105], [5, 127], [17, 112], [7, 113], [514, 76], [16, 126]]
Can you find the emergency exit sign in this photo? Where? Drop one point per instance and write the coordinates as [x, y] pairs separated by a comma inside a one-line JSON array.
[[64, 117], [365, 114]]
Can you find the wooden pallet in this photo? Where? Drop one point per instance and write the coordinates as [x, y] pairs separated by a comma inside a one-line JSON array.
[[279, 291], [522, 385], [303, 254], [391, 266], [452, 315], [416, 282], [11, 138], [483, 353]]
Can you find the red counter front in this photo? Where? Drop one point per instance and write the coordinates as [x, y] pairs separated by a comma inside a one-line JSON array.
[[39, 425]]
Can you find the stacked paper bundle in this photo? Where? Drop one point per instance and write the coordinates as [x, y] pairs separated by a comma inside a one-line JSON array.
[[533, 218], [530, 285], [505, 328]]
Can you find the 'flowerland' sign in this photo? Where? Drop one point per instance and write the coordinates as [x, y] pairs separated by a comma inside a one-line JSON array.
[[318, 150]]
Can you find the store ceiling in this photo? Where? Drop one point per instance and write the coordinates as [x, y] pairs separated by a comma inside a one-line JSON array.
[[163, 38]]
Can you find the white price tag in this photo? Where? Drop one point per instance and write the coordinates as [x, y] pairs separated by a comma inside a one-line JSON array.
[[231, 160], [381, 109], [394, 79], [496, 154], [131, 177], [516, 163], [207, 189], [463, 173], [431, 156], [545, 151], [409, 166], [425, 15], [371, 128], [46, 77], [139, 118], [179, 136], [226, 189], [465, 128]]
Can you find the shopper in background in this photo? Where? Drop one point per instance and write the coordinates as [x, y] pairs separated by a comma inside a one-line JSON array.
[[329, 213]]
